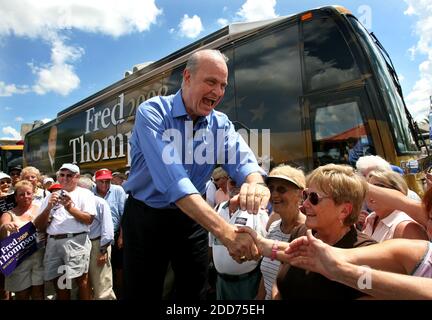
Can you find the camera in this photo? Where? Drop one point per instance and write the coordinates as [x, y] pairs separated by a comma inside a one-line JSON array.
[[63, 194]]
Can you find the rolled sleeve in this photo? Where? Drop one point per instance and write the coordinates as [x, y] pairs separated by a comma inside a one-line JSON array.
[[180, 189]]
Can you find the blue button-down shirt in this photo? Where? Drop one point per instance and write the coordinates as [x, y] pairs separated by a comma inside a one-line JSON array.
[[172, 157], [116, 198], [102, 225]]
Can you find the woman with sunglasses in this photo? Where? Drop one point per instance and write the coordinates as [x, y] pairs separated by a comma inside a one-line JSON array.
[[286, 185], [27, 279], [386, 223], [332, 203]]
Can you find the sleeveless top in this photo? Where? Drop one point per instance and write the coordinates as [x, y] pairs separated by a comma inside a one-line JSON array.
[[424, 267]]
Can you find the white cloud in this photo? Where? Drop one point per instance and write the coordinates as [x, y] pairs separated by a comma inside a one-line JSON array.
[[6, 90], [46, 120], [19, 119], [13, 134], [47, 19], [190, 27], [418, 99], [34, 18], [222, 22], [58, 76], [253, 10]]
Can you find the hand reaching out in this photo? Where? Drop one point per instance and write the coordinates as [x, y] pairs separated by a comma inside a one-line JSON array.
[[312, 254]]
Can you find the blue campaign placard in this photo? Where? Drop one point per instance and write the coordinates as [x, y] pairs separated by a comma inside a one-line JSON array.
[[17, 247]]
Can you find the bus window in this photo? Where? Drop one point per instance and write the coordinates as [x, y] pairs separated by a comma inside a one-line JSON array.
[[268, 85], [327, 59], [392, 100], [228, 103], [339, 132]]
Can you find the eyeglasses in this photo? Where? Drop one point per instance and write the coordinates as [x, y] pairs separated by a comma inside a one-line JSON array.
[[278, 189], [15, 174], [5, 182], [314, 198], [67, 175]]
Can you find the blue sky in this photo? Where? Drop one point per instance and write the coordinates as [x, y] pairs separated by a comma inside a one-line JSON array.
[[56, 53]]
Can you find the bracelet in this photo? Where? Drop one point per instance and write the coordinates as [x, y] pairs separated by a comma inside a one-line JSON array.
[[275, 248]]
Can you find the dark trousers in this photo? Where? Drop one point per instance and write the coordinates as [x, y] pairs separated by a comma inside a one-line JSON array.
[[153, 237]]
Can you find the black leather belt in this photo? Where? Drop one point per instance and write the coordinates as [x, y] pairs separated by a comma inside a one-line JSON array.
[[237, 277], [65, 235], [97, 238]]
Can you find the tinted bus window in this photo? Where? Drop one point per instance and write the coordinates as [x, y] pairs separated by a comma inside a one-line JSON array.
[[268, 87], [339, 132], [393, 102], [327, 58]]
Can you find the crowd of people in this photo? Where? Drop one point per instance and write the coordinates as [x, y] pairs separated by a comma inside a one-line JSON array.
[[79, 242], [267, 234]]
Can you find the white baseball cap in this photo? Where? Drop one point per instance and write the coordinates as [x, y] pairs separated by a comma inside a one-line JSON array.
[[4, 176], [71, 167], [46, 180]]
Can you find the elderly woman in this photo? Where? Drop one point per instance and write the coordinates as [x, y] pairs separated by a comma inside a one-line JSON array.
[[386, 223], [332, 202], [33, 175], [27, 279], [286, 185]]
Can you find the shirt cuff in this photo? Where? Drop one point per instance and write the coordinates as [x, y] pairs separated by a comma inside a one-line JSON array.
[[180, 189], [246, 170]]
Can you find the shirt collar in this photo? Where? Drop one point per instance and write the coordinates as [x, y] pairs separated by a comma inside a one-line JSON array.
[[179, 110]]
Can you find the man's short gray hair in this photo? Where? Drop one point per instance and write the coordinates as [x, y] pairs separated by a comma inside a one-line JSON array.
[[193, 61]]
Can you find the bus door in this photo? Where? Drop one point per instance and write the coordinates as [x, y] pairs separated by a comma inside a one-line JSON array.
[[339, 127]]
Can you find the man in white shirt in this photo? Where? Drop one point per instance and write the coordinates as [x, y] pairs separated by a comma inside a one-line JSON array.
[[66, 216], [236, 281]]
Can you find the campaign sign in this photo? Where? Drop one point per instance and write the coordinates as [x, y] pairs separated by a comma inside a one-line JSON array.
[[17, 247], [7, 203]]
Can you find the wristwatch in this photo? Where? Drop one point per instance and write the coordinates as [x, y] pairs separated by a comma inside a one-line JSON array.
[[103, 250]]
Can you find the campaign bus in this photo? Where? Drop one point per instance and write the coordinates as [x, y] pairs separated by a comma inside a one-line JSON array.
[[307, 89]]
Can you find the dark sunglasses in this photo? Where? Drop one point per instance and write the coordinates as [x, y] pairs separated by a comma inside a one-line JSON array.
[[278, 189], [5, 182], [314, 198], [67, 175]]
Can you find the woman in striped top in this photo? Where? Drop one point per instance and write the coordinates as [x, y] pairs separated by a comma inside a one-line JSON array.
[[286, 184]]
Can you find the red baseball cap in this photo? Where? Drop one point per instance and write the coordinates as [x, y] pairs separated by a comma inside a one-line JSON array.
[[103, 174], [54, 187]]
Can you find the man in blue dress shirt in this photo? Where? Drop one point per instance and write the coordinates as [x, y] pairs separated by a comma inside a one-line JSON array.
[[176, 143]]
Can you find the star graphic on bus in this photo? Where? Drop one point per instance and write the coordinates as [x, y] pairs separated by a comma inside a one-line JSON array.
[[258, 113]]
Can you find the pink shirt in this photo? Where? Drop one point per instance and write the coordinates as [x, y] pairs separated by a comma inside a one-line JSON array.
[[386, 227]]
